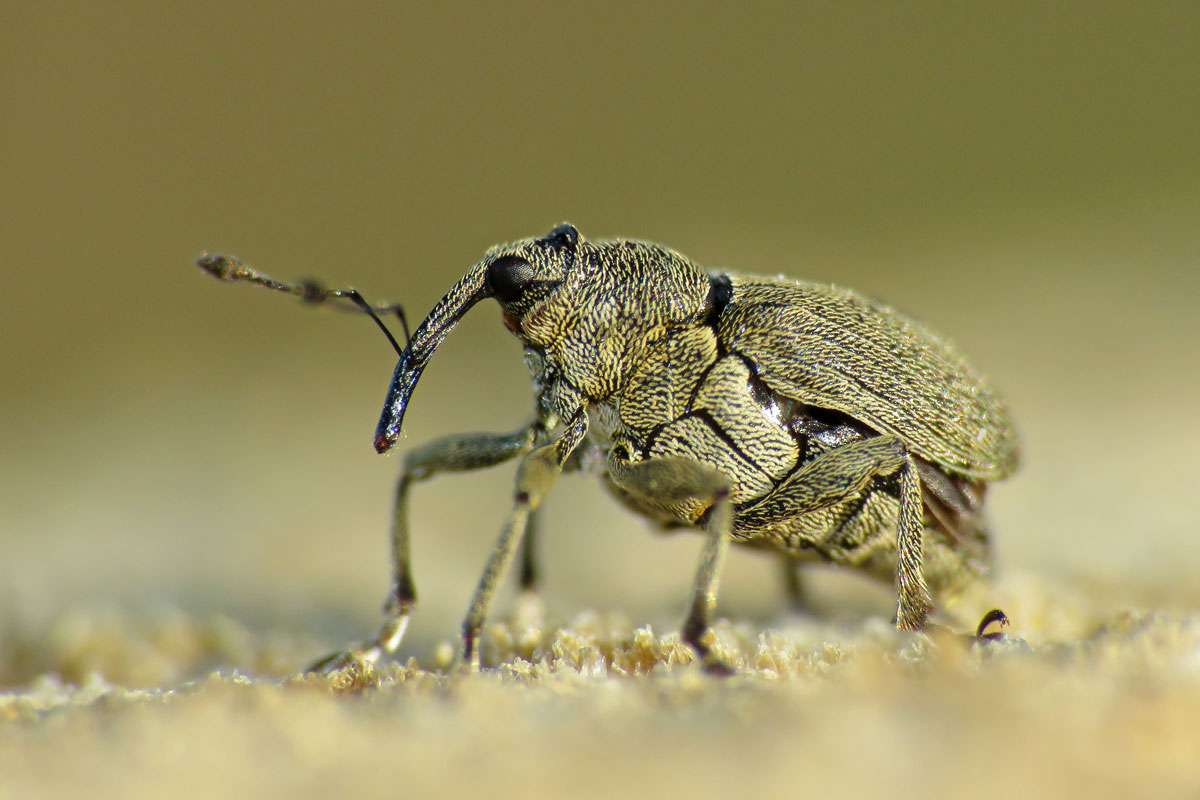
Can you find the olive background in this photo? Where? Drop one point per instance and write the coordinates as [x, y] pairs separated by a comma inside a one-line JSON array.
[[1025, 178]]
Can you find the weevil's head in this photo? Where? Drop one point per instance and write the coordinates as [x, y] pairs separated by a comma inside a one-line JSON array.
[[588, 308]]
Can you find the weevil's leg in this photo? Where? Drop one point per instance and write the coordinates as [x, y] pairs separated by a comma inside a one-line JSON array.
[[531, 576], [793, 585], [841, 473], [528, 609], [456, 453], [704, 591], [674, 480], [535, 476], [913, 599], [460, 453], [984, 632]]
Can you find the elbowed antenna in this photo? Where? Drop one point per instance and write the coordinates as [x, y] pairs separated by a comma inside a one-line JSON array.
[[419, 347], [425, 340], [232, 269]]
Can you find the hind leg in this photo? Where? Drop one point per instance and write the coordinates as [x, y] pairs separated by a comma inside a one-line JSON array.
[[845, 472], [795, 589]]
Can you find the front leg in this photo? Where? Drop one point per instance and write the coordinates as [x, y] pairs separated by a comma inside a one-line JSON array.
[[535, 476], [457, 453]]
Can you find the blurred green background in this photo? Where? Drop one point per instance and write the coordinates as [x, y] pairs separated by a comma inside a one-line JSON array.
[[1025, 178]]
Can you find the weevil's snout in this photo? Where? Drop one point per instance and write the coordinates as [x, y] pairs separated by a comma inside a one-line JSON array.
[[400, 390], [518, 275], [425, 340]]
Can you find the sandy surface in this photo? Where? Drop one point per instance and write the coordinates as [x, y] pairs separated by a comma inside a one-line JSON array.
[[1073, 704]]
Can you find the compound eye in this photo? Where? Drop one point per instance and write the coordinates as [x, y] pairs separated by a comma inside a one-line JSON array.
[[508, 276]]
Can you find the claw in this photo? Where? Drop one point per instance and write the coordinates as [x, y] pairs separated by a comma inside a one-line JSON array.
[[993, 617], [709, 661], [718, 668], [391, 635], [336, 662], [386, 643]]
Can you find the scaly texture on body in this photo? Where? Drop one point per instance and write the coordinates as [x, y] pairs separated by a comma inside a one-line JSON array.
[[775, 413]]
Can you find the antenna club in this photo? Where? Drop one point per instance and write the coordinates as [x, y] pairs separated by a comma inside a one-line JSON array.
[[221, 266]]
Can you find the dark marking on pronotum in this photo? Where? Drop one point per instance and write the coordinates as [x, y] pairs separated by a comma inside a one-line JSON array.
[[720, 293]]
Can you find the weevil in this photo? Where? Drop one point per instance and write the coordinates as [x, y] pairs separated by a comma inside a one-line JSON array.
[[769, 412]]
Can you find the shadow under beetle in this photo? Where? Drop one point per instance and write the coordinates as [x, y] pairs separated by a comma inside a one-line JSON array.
[[793, 416]]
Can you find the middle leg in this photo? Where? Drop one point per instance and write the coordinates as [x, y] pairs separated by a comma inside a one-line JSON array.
[[672, 480]]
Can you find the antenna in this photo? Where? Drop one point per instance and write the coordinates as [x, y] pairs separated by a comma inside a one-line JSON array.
[[232, 269]]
